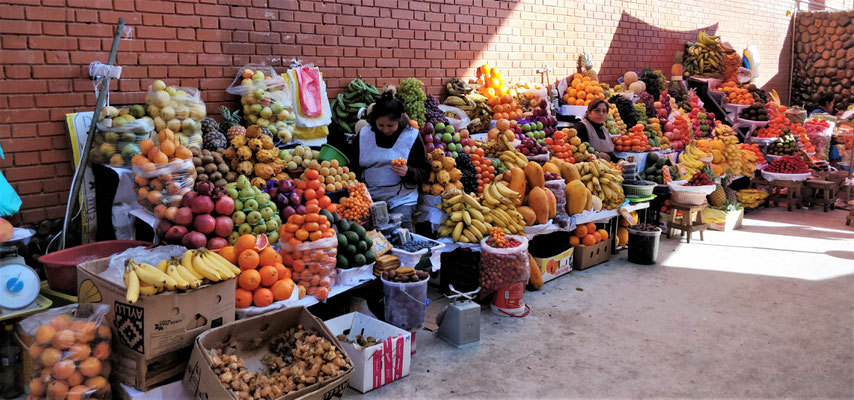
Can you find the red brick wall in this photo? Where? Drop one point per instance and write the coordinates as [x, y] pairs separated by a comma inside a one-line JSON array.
[[46, 46]]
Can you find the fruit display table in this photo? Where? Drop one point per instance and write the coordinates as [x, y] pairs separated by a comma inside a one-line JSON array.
[[685, 224]]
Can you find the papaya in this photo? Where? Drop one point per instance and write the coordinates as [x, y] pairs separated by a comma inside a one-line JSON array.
[[529, 215], [538, 202], [622, 236], [576, 197], [596, 202], [569, 172], [552, 168], [517, 181], [535, 281], [588, 201], [552, 203], [534, 173]]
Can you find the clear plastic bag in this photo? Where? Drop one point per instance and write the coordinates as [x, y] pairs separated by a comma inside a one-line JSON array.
[[118, 135], [163, 184], [312, 265], [459, 123], [558, 188], [70, 351], [180, 109], [266, 99], [500, 267], [405, 304], [796, 116]]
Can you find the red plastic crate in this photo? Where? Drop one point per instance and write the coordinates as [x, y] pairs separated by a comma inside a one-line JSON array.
[[61, 267]]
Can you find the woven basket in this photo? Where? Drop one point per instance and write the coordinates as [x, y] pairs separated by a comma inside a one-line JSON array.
[[688, 198], [639, 191]]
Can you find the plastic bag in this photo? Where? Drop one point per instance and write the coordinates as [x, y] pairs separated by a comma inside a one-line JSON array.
[[405, 304], [115, 271], [500, 267], [266, 99], [308, 80], [161, 186], [459, 123], [558, 188], [70, 351], [180, 109], [312, 265], [796, 116], [118, 135], [302, 119]]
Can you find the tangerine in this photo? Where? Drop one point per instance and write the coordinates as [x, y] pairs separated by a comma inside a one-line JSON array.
[[97, 383], [581, 231], [269, 275], [284, 272], [36, 387], [589, 240], [244, 242], [45, 334], [90, 367], [242, 298], [102, 351], [75, 379], [77, 392], [229, 253], [249, 279], [57, 389], [50, 356], [263, 297], [61, 322], [322, 293], [36, 351], [104, 332], [79, 352], [64, 369], [282, 289], [574, 241]]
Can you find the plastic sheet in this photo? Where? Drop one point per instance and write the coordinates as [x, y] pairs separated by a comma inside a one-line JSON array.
[[115, 271], [405, 303], [302, 119]]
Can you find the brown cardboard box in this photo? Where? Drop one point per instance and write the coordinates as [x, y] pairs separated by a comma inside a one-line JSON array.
[[251, 336], [584, 257], [157, 325]]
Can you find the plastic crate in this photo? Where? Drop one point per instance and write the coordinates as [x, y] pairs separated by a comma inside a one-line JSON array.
[[61, 267], [460, 268]]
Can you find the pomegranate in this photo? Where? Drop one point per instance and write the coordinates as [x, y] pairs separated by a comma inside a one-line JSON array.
[[184, 216], [216, 243], [224, 206], [194, 240], [204, 223], [224, 226], [202, 205], [175, 234], [188, 198]]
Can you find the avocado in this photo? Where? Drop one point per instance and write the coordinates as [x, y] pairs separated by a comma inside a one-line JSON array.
[[359, 260], [341, 262], [328, 215], [342, 240], [344, 225], [352, 237], [359, 230], [369, 242], [650, 171], [652, 158], [350, 250], [362, 246], [661, 162], [370, 257], [336, 217]]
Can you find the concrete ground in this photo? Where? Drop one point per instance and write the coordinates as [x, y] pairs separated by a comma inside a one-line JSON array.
[[763, 312]]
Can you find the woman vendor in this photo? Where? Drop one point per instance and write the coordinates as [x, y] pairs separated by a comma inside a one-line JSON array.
[[592, 128], [387, 137], [825, 104]]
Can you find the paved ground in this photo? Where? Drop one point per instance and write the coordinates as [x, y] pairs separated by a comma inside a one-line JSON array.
[[766, 311]]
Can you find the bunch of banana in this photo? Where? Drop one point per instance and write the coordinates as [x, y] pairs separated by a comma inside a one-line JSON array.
[[464, 97], [603, 181], [748, 165], [704, 58], [173, 274], [512, 158], [346, 106], [732, 152], [751, 198], [690, 159], [466, 222], [501, 202]]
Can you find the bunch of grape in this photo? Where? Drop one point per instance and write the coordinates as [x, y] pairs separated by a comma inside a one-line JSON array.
[[410, 93], [434, 114], [649, 102], [653, 85], [469, 178], [640, 111], [625, 108]]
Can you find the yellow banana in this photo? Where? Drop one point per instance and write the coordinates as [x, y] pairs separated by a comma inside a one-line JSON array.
[[180, 282], [206, 271], [225, 263], [189, 277], [466, 217], [458, 230], [162, 265], [145, 276], [476, 215], [187, 262], [148, 290], [224, 271], [148, 268], [132, 294]]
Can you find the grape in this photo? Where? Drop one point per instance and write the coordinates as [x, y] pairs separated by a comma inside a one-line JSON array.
[[409, 91]]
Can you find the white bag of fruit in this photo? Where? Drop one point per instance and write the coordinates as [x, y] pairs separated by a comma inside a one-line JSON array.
[[179, 109], [266, 99]]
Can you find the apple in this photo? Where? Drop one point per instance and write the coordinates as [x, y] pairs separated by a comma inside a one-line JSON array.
[[440, 127]]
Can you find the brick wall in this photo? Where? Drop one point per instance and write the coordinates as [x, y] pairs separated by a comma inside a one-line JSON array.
[[46, 46]]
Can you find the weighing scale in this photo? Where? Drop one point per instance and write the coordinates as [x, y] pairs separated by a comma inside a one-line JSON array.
[[459, 322], [19, 284]]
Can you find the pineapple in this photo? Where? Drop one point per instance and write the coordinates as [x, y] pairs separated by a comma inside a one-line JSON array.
[[230, 120], [718, 197], [585, 66], [731, 195], [212, 138]]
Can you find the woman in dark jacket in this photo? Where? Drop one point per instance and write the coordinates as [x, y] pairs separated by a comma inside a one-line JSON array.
[[592, 128]]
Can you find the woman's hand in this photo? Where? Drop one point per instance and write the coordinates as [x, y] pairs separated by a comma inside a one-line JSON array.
[[400, 170]]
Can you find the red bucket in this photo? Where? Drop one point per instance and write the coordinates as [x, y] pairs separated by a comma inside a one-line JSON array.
[[508, 301], [61, 267]]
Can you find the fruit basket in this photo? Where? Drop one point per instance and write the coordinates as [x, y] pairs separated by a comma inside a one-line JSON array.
[[689, 195], [773, 176], [639, 191]]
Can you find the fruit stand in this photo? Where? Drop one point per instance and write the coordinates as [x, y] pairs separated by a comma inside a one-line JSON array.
[[255, 217]]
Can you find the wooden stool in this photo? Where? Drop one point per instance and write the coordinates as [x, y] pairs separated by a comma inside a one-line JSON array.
[[792, 197], [850, 218], [685, 224], [822, 193]]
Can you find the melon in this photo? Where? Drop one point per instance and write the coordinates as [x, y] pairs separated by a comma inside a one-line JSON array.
[[637, 87], [629, 78], [6, 230]]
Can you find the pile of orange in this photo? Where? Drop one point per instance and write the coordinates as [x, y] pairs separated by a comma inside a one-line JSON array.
[[263, 277], [157, 183], [398, 161], [503, 126], [735, 93], [581, 90], [310, 227], [483, 169], [635, 140], [505, 107], [491, 82], [313, 269], [587, 235], [778, 125], [313, 191], [356, 207], [70, 359], [563, 149]]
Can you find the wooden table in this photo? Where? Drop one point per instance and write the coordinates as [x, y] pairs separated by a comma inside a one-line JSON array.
[[822, 193], [685, 224], [792, 197]]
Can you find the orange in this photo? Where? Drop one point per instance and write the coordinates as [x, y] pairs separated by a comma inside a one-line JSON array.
[[36, 387], [57, 389], [248, 259], [296, 219], [268, 256], [102, 351], [244, 242], [269, 275], [322, 293], [79, 352], [315, 236], [284, 272], [574, 241], [312, 174], [90, 367], [589, 240], [104, 332], [77, 392], [603, 233], [282, 289], [50, 356], [299, 265], [312, 209], [36, 351], [45, 334], [64, 369], [263, 297], [597, 236], [502, 125], [75, 379], [242, 298], [591, 227], [97, 383], [249, 279], [61, 322], [229, 253], [312, 226], [581, 231], [301, 235]]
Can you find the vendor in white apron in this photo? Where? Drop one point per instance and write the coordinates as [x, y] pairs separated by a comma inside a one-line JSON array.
[[387, 137], [592, 128]]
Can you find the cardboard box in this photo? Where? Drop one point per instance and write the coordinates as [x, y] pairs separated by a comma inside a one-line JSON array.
[[159, 324], [587, 256], [249, 339], [553, 253], [133, 369], [553, 267], [723, 220], [377, 365]]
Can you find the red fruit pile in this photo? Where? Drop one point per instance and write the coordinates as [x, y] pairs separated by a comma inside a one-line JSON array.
[[788, 165], [699, 179]]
